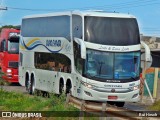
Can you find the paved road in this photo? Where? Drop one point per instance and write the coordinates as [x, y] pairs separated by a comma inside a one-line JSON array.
[[15, 88], [135, 106], [130, 106]]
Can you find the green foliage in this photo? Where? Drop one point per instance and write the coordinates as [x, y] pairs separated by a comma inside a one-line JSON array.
[[2, 81], [18, 102], [58, 103], [11, 101], [155, 106]]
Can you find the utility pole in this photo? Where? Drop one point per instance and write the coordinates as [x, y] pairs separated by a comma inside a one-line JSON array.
[[3, 8]]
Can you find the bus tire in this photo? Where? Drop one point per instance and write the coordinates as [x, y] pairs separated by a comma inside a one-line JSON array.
[[68, 87], [27, 82], [32, 86], [61, 86]]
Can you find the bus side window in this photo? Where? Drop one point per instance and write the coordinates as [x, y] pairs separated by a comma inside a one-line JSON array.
[[77, 26], [77, 57]]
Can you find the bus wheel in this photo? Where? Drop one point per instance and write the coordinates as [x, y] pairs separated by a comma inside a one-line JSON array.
[[68, 87], [61, 87], [27, 82], [27, 85], [32, 86], [120, 104]]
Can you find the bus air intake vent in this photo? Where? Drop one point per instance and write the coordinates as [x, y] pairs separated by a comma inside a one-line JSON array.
[[13, 64]]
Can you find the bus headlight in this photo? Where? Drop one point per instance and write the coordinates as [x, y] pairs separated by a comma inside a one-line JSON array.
[[87, 85], [134, 88]]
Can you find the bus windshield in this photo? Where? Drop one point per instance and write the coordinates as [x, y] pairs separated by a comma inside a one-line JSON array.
[[111, 31], [104, 66], [13, 45]]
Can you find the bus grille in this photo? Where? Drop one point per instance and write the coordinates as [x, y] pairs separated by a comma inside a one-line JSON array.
[[13, 64]]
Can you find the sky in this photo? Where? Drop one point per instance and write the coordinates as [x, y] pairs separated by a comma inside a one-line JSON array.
[[147, 12]]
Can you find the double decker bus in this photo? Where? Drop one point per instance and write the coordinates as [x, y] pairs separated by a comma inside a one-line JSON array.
[[92, 55], [9, 52]]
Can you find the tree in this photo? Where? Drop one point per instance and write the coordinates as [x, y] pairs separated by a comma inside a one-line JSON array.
[[9, 26]]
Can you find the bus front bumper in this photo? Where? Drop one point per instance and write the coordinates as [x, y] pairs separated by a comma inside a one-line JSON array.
[[93, 95]]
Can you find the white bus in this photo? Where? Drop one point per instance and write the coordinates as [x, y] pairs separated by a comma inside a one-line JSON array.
[[93, 55]]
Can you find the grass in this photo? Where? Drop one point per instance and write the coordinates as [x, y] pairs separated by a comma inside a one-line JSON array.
[[3, 82], [11, 101], [155, 106]]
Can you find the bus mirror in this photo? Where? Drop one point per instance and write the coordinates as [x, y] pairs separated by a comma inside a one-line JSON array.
[[83, 47], [145, 64], [147, 51]]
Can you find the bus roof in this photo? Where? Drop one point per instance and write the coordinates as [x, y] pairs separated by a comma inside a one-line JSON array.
[[83, 13], [103, 14], [48, 14]]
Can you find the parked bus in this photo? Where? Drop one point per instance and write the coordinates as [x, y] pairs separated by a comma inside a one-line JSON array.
[[9, 52], [93, 55]]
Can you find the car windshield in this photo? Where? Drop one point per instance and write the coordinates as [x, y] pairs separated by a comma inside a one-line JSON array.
[[13, 45], [114, 66]]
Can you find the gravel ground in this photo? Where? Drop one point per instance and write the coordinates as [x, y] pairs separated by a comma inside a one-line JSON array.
[[14, 87]]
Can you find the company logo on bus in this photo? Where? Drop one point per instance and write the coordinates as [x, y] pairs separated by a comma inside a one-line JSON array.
[[35, 42], [53, 43], [113, 90]]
